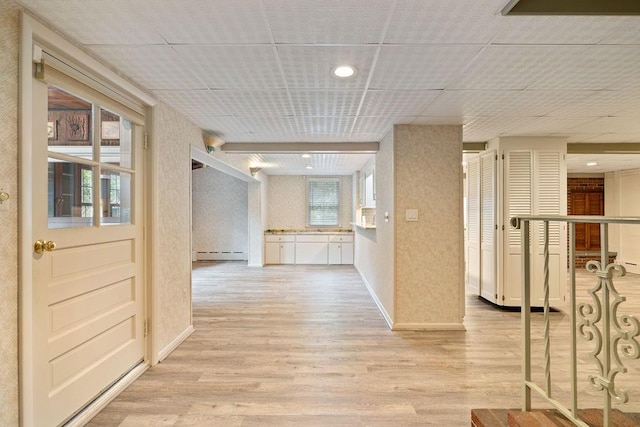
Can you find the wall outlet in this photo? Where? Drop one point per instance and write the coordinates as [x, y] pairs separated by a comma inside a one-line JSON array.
[[411, 215]]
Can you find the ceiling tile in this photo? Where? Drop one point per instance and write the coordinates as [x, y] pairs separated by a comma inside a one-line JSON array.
[[577, 163], [444, 22], [615, 137], [194, 101], [397, 103], [608, 125], [154, 67], [125, 23], [580, 30], [268, 128], [442, 120], [209, 21], [309, 67], [377, 125], [234, 67], [421, 67], [326, 102], [496, 103], [596, 68], [321, 126], [327, 21], [512, 67], [259, 103]]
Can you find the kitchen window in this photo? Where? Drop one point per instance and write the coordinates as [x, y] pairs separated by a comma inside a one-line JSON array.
[[323, 202]]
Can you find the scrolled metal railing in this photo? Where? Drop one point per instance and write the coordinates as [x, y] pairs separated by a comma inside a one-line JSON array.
[[614, 336]]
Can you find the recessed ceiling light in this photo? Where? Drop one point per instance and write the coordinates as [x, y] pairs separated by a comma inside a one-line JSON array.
[[592, 164], [306, 156], [309, 167], [344, 71]]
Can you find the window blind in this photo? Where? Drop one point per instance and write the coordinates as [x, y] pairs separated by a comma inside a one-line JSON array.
[[323, 201]]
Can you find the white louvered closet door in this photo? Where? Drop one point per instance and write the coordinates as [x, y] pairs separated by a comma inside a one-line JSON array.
[[518, 168], [473, 226], [488, 221], [549, 196]]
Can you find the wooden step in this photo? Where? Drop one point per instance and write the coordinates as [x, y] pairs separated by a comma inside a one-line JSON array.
[[547, 418]]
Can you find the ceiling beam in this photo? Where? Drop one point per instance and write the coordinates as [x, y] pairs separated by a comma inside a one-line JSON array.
[[604, 148], [301, 147], [572, 7], [474, 147]]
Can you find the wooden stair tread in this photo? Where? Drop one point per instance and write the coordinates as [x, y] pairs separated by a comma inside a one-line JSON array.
[[547, 418]]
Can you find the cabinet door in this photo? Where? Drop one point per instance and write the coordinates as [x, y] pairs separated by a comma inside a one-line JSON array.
[[335, 253], [272, 253], [347, 253], [287, 253]]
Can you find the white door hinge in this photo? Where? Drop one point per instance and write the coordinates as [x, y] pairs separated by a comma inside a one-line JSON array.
[[146, 327], [146, 140]]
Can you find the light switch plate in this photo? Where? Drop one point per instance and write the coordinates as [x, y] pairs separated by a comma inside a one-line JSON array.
[[411, 214]]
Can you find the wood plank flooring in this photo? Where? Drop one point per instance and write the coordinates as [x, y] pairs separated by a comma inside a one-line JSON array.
[[306, 346]]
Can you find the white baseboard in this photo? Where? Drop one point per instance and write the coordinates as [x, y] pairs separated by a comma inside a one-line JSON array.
[[105, 398], [162, 354], [428, 327], [383, 311]]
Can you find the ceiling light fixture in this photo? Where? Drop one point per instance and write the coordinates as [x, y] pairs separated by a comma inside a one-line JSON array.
[[306, 156], [309, 167], [344, 71], [592, 164]]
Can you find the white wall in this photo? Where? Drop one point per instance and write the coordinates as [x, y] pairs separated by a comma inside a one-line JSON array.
[[621, 189], [287, 202], [374, 254], [219, 213]]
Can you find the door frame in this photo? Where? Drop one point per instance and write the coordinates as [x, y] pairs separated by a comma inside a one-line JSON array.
[[32, 31]]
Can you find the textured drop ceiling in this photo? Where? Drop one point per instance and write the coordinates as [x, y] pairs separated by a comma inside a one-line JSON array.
[[259, 70]]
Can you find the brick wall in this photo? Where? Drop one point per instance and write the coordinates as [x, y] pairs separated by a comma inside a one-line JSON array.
[[595, 185]]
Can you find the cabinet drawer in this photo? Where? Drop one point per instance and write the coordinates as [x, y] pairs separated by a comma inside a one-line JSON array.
[[311, 238], [279, 238], [341, 238]]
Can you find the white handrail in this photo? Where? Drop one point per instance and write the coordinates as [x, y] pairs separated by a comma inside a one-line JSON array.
[[606, 341]]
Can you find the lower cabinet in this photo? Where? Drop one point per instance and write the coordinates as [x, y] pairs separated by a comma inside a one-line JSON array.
[[279, 249], [341, 249], [308, 249]]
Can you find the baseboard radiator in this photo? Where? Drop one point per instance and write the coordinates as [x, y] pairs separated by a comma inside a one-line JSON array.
[[221, 256]]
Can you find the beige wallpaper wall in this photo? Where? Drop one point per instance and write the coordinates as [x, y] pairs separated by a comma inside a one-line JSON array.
[[287, 205], [429, 270], [9, 14], [172, 176], [219, 215]]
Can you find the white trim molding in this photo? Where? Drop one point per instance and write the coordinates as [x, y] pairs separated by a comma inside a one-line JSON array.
[[383, 311], [175, 343], [428, 327]]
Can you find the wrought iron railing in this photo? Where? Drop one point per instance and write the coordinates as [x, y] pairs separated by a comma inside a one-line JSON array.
[[614, 336]]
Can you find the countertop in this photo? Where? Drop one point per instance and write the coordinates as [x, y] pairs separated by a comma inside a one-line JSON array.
[[311, 231]]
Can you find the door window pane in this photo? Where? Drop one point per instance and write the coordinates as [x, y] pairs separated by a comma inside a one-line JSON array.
[[115, 139], [115, 197], [70, 194], [69, 124]]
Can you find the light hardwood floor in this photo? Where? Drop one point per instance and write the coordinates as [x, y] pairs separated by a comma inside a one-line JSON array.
[[306, 346]]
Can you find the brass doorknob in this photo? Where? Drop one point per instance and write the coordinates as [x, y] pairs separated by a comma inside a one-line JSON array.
[[44, 245]]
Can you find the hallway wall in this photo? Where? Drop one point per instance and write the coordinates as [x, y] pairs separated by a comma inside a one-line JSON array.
[[9, 15], [219, 212]]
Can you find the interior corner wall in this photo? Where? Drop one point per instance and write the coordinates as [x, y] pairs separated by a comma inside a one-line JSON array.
[[172, 176], [623, 186], [9, 28], [219, 213], [612, 207], [375, 248], [429, 252]]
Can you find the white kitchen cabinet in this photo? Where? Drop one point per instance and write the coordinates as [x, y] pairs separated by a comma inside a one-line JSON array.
[[311, 249], [308, 248], [341, 249], [279, 249]]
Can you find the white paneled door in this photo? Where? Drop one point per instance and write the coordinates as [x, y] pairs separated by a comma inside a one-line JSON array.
[[488, 224], [87, 327]]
